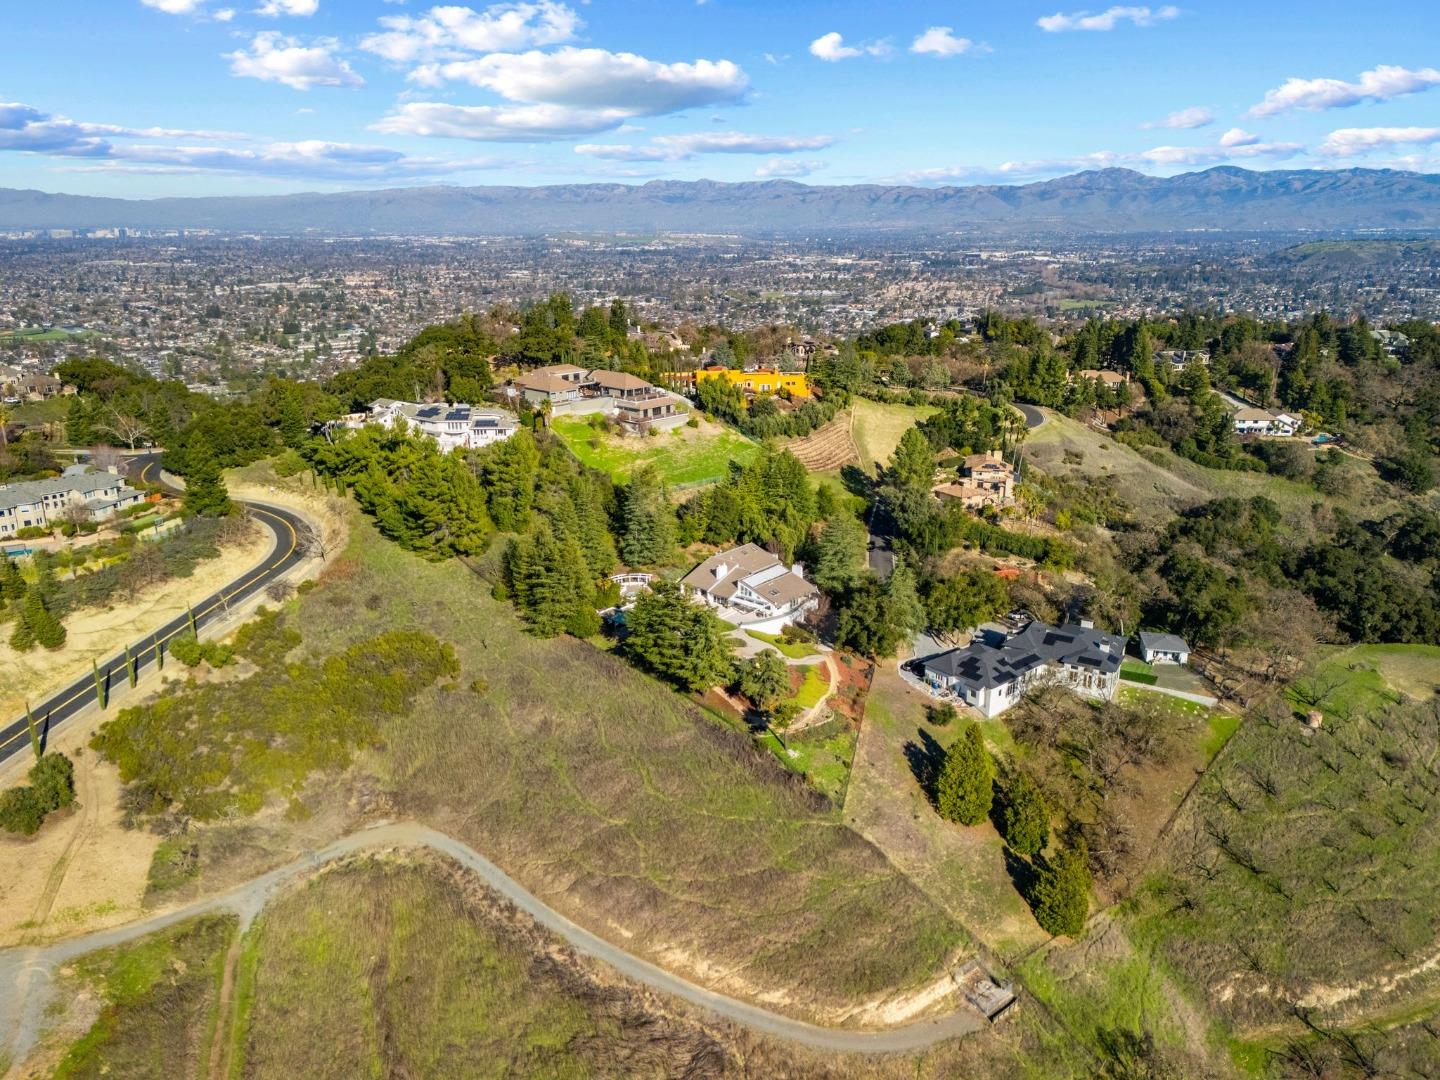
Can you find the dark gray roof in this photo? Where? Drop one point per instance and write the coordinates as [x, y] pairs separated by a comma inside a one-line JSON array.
[[1163, 642], [982, 667]]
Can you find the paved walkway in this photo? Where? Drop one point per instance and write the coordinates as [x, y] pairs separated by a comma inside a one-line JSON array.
[[26, 975]]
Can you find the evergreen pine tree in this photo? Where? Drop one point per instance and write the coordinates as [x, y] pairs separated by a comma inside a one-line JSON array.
[[963, 791], [1026, 821], [12, 585], [1060, 896], [205, 492], [647, 533], [913, 464], [839, 554], [508, 470]]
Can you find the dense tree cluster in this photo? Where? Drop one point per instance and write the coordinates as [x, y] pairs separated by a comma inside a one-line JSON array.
[[1224, 564], [771, 501]]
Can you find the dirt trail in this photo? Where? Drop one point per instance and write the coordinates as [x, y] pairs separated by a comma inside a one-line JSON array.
[[225, 1015], [26, 974], [87, 798]]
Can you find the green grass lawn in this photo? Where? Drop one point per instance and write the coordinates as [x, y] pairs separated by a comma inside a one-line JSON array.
[[813, 688], [795, 650], [33, 335], [1137, 671], [879, 428], [684, 457]]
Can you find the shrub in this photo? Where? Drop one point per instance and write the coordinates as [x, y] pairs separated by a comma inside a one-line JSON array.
[[53, 780], [20, 811], [940, 715], [191, 652], [32, 532]]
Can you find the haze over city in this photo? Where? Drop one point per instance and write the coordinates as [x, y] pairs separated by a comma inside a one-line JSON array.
[[214, 97]]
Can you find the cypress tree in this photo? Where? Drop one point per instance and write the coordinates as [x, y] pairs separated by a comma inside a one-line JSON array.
[[130, 666], [205, 491], [102, 688], [1026, 820], [159, 655], [34, 734], [963, 791], [1060, 896]]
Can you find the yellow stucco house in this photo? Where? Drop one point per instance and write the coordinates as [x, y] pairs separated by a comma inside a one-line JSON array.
[[763, 381]]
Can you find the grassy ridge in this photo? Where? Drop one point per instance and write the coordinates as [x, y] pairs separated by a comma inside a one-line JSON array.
[[605, 792]]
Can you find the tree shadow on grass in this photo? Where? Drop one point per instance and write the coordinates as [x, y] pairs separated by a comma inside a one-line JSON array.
[[1022, 874], [925, 758]]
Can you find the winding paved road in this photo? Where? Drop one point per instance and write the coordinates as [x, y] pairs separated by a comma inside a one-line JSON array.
[[23, 998], [1033, 416], [74, 698]]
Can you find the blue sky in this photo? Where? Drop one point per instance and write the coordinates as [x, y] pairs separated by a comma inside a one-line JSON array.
[[166, 97]]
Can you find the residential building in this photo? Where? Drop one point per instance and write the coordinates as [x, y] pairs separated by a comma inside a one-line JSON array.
[[19, 385], [992, 674], [751, 587], [549, 385], [1252, 421], [634, 403], [985, 480], [452, 426], [44, 503], [1181, 358], [758, 381], [1164, 648], [1112, 379]]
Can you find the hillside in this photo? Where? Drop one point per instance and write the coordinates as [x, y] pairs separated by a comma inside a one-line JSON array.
[[1104, 201]]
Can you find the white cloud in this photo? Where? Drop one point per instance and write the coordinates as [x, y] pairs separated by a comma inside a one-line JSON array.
[[684, 147], [1379, 84], [1350, 142], [1214, 155], [831, 47], [1239, 137], [941, 41], [276, 8], [1187, 119], [1106, 20], [491, 123], [451, 32], [788, 167], [113, 147], [596, 79], [224, 14], [273, 57], [174, 7]]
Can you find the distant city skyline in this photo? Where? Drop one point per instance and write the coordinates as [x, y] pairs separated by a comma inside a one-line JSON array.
[[176, 97]]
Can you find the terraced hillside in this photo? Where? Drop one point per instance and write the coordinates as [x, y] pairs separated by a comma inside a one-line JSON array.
[[827, 448]]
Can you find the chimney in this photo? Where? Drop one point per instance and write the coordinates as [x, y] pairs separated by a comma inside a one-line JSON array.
[[721, 571], [1088, 624]]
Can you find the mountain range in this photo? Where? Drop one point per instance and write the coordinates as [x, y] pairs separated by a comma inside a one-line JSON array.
[[1107, 201]]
